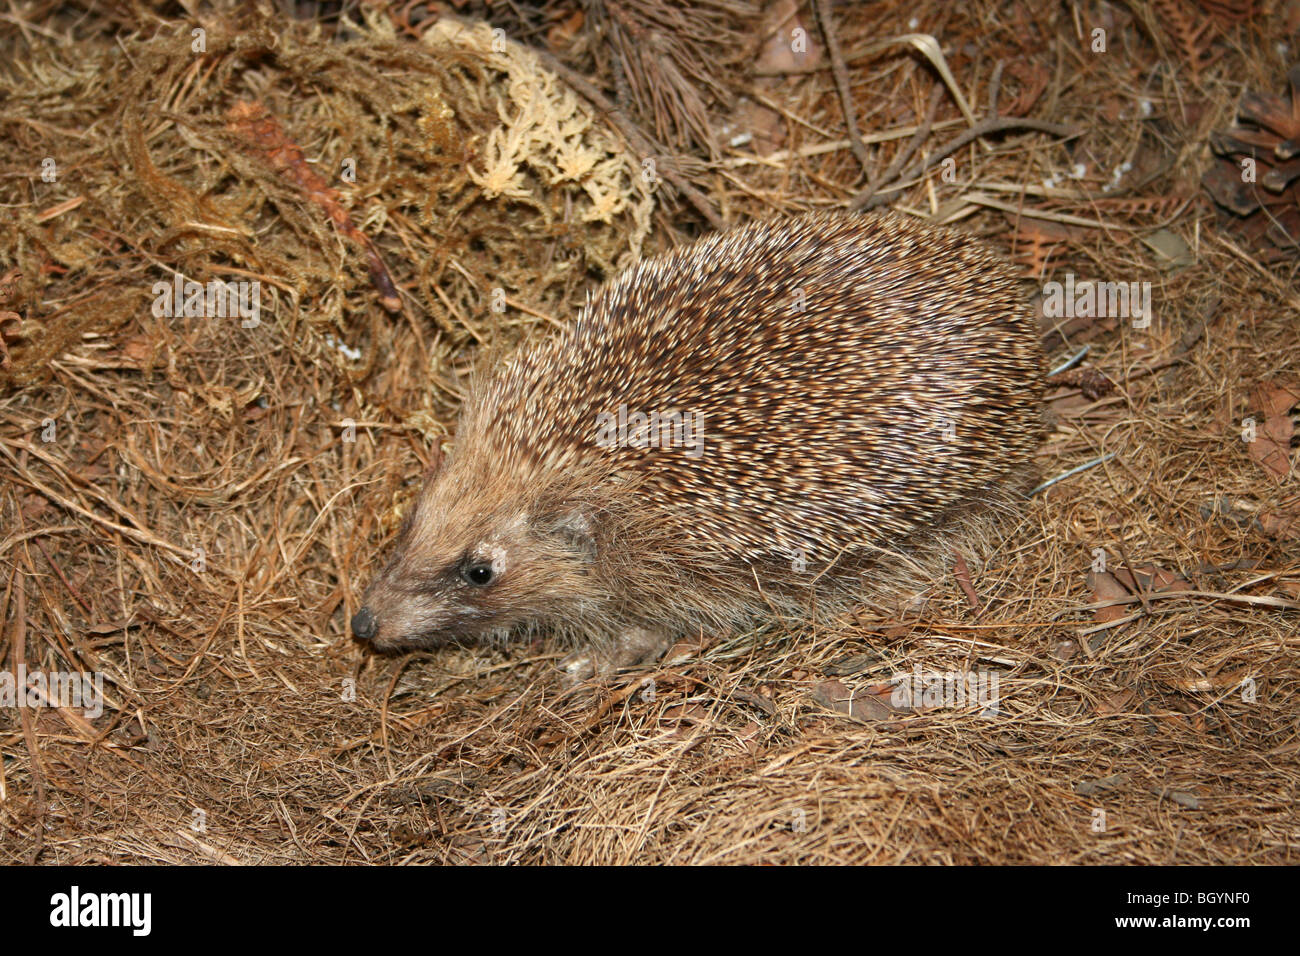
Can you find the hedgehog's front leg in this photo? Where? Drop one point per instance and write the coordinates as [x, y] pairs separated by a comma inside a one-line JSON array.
[[633, 645]]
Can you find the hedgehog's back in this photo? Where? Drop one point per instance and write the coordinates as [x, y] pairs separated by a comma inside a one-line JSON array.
[[856, 379]]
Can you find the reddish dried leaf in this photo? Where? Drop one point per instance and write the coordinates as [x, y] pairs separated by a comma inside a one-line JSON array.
[[561, 35], [1281, 524], [1276, 398], [1119, 702], [137, 348], [1148, 577], [1106, 588], [1271, 448], [837, 696]]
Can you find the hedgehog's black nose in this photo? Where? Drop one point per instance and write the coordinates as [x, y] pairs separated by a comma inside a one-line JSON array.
[[363, 624]]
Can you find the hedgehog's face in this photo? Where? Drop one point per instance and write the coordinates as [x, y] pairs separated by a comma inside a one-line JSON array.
[[466, 569]]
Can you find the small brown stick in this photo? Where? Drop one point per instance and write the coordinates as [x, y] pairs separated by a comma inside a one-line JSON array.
[[906, 153], [638, 139], [1092, 383], [995, 87], [76, 595], [842, 84], [1132, 573], [264, 132]]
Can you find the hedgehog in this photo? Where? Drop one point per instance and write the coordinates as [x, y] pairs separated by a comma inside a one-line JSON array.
[[743, 429]]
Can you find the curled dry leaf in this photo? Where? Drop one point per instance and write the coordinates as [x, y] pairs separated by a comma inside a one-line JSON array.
[[1283, 523], [1272, 445], [1119, 702], [1255, 182], [859, 704], [1148, 577], [1106, 588]]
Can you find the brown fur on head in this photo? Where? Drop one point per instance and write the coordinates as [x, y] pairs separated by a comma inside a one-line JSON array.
[[478, 555]]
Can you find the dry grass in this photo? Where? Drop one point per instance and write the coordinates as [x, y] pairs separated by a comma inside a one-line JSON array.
[[233, 693]]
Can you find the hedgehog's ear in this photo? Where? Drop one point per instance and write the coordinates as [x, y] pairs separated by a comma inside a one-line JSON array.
[[574, 527]]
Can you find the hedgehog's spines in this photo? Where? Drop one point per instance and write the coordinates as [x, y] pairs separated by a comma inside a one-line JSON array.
[[806, 348]]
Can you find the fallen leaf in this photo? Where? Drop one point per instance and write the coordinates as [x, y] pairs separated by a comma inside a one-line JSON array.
[[1171, 248], [1106, 588], [137, 348], [1271, 448], [1065, 650], [1277, 398], [1116, 703], [562, 34], [1148, 577], [858, 704]]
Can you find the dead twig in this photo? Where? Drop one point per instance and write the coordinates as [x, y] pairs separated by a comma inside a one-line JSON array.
[[841, 73], [263, 131], [867, 200], [906, 153]]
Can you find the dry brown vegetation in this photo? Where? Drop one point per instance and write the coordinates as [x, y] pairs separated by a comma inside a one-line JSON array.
[[191, 507]]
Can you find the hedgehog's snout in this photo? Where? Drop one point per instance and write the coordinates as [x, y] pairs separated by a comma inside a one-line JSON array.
[[384, 620], [389, 622], [400, 612], [386, 628], [364, 625]]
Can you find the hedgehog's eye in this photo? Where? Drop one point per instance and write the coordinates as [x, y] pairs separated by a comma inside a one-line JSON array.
[[478, 574]]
